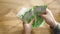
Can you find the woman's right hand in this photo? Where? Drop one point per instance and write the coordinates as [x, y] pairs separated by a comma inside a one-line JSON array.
[[48, 16]]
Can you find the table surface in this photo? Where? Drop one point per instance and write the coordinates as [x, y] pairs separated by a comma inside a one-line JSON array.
[[11, 24]]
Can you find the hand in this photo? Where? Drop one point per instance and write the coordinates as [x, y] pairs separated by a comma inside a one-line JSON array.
[[49, 18], [28, 27]]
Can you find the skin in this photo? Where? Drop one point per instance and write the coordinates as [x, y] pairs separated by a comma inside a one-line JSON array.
[[28, 27], [48, 16]]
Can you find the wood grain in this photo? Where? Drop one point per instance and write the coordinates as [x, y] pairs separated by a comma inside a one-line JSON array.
[[11, 24]]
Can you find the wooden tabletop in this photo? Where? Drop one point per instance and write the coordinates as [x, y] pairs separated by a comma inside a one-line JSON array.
[[11, 24]]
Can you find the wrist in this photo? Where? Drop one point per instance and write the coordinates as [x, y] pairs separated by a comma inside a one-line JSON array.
[[55, 24], [27, 32]]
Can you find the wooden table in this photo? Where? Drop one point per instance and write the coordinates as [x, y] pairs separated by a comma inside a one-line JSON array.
[[11, 24]]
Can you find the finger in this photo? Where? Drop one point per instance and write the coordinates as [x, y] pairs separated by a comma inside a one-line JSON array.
[[42, 15], [24, 22], [45, 12], [31, 22], [48, 11]]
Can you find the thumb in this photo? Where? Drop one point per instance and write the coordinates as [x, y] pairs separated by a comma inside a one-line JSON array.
[[42, 15], [31, 22]]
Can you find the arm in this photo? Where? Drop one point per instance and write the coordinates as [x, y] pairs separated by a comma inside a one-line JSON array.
[[48, 16], [56, 30]]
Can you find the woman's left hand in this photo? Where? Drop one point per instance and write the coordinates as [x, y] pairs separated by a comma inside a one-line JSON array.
[[28, 27]]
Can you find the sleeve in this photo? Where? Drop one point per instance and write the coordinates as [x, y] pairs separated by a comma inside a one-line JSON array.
[[57, 29]]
